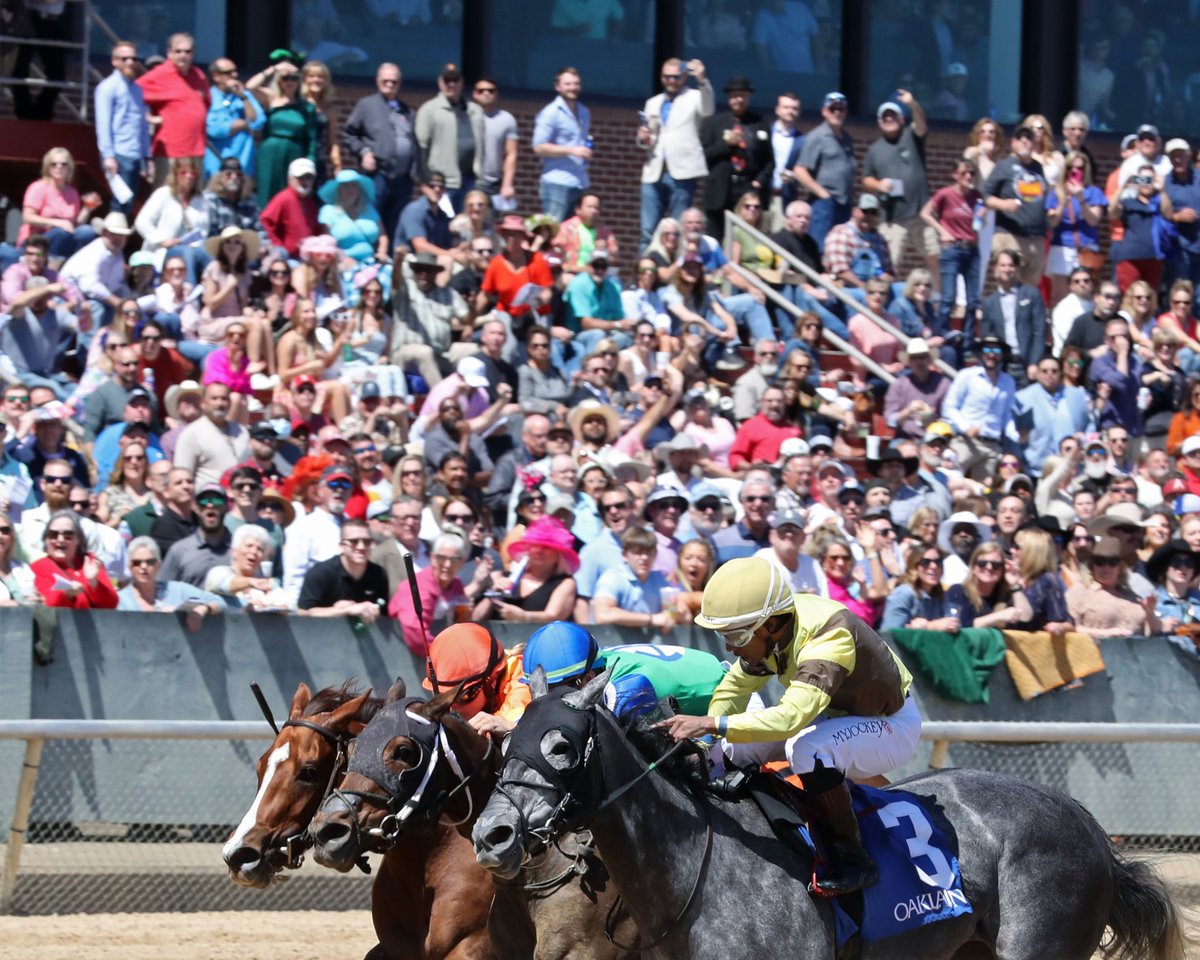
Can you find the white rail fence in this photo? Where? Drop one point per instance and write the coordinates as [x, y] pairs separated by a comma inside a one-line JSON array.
[[186, 873]]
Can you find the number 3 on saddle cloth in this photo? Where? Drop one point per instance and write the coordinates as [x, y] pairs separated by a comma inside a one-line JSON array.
[[919, 881]]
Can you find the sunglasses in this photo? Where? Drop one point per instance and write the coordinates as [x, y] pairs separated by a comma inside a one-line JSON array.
[[61, 534], [16, 398], [48, 479], [758, 499], [148, 562], [615, 507], [838, 557], [1104, 561], [342, 485], [929, 563], [246, 487], [459, 517], [150, 338], [990, 564], [6, 529], [210, 500], [357, 541]]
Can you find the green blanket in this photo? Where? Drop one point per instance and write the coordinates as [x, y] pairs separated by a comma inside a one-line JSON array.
[[956, 665]]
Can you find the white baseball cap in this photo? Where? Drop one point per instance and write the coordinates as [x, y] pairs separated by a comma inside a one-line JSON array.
[[473, 372]]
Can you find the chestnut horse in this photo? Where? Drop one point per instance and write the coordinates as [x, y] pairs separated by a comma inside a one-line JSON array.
[[429, 901], [417, 760]]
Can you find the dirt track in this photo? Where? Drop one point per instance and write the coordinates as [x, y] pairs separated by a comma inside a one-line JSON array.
[[248, 935]]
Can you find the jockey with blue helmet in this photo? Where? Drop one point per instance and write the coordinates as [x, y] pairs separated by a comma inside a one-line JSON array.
[[844, 710]]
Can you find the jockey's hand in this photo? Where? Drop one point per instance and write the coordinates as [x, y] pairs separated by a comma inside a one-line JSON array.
[[489, 725], [682, 727]]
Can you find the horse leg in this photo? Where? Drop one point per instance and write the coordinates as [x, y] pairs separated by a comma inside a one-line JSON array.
[[509, 927]]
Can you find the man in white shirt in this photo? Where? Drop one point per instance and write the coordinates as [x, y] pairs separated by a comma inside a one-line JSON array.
[[212, 444], [317, 536], [787, 537], [98, 270], [670, 134], [1074, 304]]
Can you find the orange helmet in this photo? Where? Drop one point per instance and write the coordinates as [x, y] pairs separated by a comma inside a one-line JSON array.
[[465, 653]]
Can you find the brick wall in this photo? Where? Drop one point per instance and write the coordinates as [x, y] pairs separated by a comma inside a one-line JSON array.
[[617, 162]]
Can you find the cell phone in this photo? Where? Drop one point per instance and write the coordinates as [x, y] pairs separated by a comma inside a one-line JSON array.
[[1075, 176], [643, 119]]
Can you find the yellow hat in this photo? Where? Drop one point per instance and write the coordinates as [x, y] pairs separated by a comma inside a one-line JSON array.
[[743, 595]]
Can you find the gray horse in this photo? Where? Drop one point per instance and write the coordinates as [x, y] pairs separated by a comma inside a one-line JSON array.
[[705, 880], [420, 756]]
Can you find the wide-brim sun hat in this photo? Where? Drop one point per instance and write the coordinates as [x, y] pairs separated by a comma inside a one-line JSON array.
[[946, 527], [176, 392], [329, 190], [1160, 559], [248, 237], [593, 408], [548, 532], [743, 595], [318, 243]]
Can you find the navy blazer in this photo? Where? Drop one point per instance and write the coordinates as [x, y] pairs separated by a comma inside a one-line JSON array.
[[1031, 324]]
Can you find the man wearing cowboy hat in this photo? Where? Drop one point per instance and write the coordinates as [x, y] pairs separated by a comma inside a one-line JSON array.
[[98, 270], [46, 442], [958, 536], [182, 405], [1125, 523], [429, 316], [894, 469], [825, 657], [681, 454], [978, 406], [665, 508], [290, 217], [915, 397], [737, 148], [1178, 600], [594, 424]]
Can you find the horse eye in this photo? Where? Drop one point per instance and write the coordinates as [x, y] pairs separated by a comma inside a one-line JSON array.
[[561, 748], [308, 773], [404, 753]]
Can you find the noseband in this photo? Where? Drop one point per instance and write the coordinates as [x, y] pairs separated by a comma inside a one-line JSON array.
[[419, 804]]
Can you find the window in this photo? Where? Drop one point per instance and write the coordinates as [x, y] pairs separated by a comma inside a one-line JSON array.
[[1137, 66], [780, 45], [961, 59], [147, 26], [421, 36], [610, 42]]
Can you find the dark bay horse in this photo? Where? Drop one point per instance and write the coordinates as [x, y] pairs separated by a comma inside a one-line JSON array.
[[429, 899], [416, 761], [704, 880]]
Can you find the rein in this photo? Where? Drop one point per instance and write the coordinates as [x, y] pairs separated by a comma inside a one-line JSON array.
[[400, 813], [561, 820]]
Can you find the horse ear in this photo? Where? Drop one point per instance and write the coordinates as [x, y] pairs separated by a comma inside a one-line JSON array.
[[397, 692], [440, 705], [344, 715], [300, 700], [590, 695], [538, 685]]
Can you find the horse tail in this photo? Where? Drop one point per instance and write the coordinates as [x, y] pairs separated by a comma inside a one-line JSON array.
[[1143, 920]]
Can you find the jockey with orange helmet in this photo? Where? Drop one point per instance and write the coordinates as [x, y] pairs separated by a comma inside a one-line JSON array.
[[468, 654]]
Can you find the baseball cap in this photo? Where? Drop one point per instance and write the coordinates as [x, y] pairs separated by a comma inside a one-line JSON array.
[[826, 465], [1128, 141], [889, 106], [793, 447], [956, 70], [302, 167], [451, 72], [786, 518], [336, 472], [263, 430], [1187, 503], [833, 96], [1178, 143], [379, 508], [820, 441], [369, 391], [305, 379], [868, 201], [1147, 130], [878, 513], [1191, 444], [142, 258], [138, 393], [212, 488], [473, 372]]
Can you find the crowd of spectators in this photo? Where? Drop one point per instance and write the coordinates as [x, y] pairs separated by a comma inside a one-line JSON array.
[[339, 343]]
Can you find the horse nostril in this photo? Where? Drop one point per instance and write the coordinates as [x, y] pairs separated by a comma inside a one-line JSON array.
[[499, 836], [331, 832], [243, 857]]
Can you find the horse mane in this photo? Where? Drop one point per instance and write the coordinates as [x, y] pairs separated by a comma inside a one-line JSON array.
[[330, 698], [687, 768]]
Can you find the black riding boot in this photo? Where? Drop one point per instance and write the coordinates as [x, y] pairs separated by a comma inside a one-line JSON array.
[[849, 866]]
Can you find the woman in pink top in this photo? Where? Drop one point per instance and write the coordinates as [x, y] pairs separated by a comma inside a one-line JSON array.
[[873, 340], [716, 433], [231, 366], [54, 208], [844, 580]]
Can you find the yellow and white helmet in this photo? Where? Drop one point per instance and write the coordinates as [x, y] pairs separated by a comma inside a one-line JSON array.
[[743, 595]]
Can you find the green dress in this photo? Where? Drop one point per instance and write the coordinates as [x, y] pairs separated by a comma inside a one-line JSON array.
[[289, 133]]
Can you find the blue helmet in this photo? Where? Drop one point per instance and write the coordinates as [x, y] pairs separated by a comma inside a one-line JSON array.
[[563, 650]]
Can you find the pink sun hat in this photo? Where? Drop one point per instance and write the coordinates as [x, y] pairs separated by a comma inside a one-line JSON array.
[[548, 532]]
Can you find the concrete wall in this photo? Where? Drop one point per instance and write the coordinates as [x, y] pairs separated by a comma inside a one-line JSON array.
[[111, 665]]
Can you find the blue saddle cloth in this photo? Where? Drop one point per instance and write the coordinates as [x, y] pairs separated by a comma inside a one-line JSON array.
[[919, 881]]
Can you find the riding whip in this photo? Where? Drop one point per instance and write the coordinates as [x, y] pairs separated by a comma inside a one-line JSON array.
[[416, 598], [263, 705]]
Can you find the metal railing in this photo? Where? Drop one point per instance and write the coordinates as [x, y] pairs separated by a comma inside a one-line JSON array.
[[35, 733], [38, 80], [815, 278]]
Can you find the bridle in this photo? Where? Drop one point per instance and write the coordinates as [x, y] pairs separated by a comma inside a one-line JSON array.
[[420, 804], [292, 848], [571, 811]]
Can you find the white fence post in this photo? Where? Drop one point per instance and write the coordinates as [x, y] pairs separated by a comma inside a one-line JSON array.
[[20, 822]]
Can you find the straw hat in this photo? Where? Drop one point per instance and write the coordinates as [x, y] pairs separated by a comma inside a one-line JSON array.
[[248, 237]]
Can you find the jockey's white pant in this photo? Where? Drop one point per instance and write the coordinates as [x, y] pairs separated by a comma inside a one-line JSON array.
[[861, 747]]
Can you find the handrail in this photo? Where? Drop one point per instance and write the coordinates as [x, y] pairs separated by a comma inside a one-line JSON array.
[[834, 340], [732, 219], [38, 78]]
